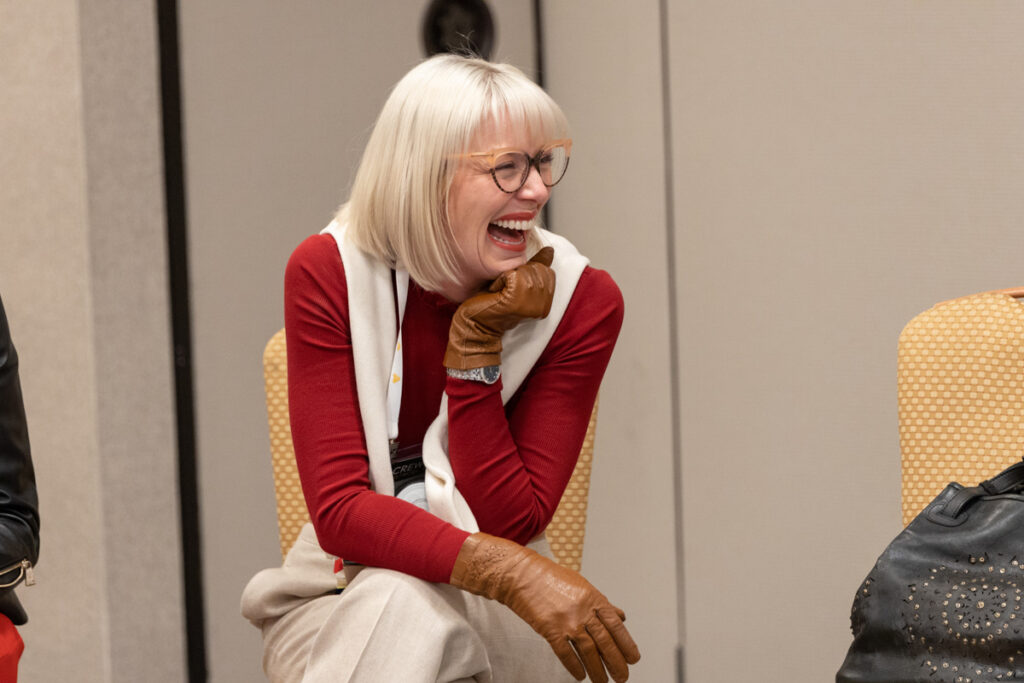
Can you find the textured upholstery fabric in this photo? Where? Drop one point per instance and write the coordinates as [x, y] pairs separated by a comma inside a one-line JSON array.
[[565, 533], [961, 394]]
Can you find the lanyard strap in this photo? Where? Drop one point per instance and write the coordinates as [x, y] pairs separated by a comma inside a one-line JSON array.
[[394, 397]]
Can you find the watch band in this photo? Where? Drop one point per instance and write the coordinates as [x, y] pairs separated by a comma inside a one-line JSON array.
[[487, 375]]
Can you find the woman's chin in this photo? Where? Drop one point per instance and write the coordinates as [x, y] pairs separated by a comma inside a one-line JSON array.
[[510, 261]]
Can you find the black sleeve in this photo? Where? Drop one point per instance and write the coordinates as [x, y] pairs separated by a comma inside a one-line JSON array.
[[19, 504]]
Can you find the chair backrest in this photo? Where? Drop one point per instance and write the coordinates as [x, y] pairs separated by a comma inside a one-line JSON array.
[[961, 394], [565, 533]]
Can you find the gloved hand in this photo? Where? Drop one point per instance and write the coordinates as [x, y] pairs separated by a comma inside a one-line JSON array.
[[474, 340], [556, 602]]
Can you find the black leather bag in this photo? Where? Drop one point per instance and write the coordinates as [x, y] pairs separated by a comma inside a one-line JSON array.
[[19, 504], [945, 601]]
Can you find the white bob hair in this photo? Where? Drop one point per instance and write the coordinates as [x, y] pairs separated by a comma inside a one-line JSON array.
[[397, 210]]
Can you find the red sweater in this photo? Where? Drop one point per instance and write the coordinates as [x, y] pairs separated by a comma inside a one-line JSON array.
[[511, 463]]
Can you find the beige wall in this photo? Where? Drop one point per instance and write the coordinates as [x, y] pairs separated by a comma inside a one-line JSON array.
[[82, 274], [840, 167], [612, 205]]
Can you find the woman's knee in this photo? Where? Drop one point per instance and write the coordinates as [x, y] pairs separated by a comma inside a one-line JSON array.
[[391, 626], [405, 597]]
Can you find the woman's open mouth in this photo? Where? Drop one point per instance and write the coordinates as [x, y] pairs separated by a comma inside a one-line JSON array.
[[509, 234]]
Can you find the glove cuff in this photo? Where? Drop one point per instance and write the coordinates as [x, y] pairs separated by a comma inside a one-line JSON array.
[[471, 345], [457, 358], [483, 564]]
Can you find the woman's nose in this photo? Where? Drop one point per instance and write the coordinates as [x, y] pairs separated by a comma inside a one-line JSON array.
[[534, 188]]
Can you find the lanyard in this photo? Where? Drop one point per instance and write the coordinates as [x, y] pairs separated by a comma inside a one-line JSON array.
[[394, 394]]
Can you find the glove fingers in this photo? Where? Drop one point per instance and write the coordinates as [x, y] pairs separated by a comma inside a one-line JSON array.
[[541, 279], [526, 291], [546, 281], [609, 616], [570, 660], [544, 256], [609, 650], [536, 285], [590, 656], [499, 283]]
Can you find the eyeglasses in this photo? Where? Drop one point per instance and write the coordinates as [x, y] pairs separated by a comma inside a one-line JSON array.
[[511, 167]]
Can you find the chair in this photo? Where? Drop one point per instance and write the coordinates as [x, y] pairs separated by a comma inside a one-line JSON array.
[[961, 394], [565, 533]]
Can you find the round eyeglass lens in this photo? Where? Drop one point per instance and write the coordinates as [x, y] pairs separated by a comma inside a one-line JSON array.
[[552, 164], [510, 170]]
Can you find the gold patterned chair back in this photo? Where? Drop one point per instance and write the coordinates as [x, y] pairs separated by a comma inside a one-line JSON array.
[[961, 394], [565, 533]]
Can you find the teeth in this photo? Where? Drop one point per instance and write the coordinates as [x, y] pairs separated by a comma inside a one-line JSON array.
[[515, 225], [518, 240]]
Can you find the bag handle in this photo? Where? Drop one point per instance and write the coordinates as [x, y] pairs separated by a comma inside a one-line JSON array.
[[1015, 292], [1004, 482]]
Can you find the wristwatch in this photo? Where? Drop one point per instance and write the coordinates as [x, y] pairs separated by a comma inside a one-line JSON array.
[[487, 375]]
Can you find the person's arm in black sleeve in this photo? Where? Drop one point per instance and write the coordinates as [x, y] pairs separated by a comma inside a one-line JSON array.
[[19, 504]]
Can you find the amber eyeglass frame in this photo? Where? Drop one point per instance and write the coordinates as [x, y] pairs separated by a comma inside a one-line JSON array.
[[534, 162]]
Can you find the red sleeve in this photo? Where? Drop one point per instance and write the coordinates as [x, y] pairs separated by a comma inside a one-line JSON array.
[[351, 521], [512, 463]]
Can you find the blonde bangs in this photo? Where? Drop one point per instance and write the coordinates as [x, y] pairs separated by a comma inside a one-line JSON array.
[[526, 105]]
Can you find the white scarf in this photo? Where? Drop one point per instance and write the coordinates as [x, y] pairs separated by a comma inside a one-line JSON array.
[[373, 329]]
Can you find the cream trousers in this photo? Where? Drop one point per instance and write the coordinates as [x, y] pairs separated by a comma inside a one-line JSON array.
[[387, 626]]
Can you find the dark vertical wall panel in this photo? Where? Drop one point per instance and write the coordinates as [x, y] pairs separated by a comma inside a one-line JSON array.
[[181, 318]]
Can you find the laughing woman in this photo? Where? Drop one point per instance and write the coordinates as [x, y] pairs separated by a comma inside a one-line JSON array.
[[444, 353]]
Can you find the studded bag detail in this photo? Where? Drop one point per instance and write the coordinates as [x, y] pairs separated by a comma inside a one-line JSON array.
[[945, 602]]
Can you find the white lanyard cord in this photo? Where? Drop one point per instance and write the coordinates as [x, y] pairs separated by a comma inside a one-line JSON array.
[[394, 397]]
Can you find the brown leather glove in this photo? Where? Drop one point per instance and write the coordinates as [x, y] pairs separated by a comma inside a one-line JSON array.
[[474, 340], [556, 602]]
